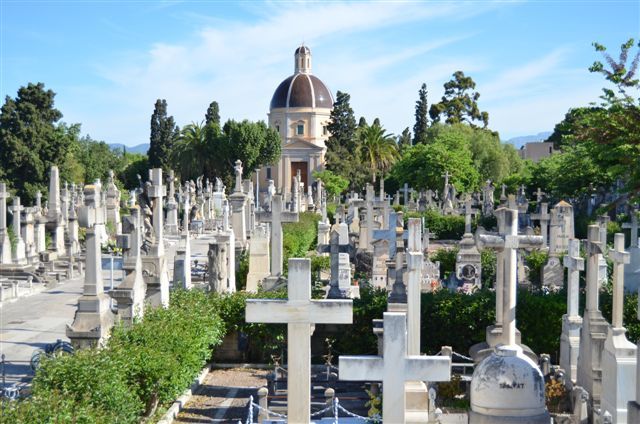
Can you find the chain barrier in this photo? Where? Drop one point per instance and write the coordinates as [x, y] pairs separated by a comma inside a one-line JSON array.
[[335, 407], [349, 413], [459, 355]]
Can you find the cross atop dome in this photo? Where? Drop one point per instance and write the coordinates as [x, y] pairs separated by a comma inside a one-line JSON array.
[[303, 60]]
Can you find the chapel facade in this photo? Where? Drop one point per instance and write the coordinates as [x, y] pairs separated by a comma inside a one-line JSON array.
[[299, 112]]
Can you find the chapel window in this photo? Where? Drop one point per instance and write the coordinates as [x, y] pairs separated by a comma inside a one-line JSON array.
[[300, 129]]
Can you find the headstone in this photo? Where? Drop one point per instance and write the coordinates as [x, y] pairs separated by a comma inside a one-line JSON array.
[[619, 356], [5, 244], [379, 263], [19, 255], [93, 319], [182, 260], [130, 294], [29, 236], [543, 217], [389, 234], [571, 321], [155, 263], [219, 271], [171, 224], [276, 216], [561, 232], [487, 198], [632, 269], [238, 201], [468, 261], [113, 204], [258, 257], [507, 386], [594, 326], [394, 368], [300, 313]]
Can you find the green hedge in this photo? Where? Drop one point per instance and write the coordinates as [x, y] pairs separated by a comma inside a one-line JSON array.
[[150, 363], [300, 237], [445, 227]]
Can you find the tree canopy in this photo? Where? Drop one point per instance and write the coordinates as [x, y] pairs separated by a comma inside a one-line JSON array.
[[459, 102], [422, 123], [164, 133]]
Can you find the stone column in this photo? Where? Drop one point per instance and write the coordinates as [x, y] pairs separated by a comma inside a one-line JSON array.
[[19, 253], [5, 244]]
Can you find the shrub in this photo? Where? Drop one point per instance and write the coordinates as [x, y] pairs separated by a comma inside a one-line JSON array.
[[447, 259], [445, 227], [300, 237], [536, 260], [488, 261]]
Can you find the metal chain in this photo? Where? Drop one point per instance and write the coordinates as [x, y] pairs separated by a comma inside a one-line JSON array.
[[250, 415], [462, 356]]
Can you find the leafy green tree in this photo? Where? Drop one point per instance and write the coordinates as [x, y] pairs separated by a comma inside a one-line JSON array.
[[421, 125], [213, 114], [404, 140], [164, 134], [334, 184], [30, 140], [459, 102], [377, 149], [362, 122]]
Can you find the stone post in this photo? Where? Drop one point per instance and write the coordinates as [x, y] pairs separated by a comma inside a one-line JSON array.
[[19, 253], [571, 321], [5, 244]]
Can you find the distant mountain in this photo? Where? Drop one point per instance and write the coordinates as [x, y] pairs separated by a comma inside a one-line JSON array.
[[518, 142], [140, 148]]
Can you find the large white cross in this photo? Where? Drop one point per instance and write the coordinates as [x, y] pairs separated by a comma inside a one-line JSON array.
[[574, 264], [620, 257], [593, 249], [394, 368], [299, 312], [276, 216]]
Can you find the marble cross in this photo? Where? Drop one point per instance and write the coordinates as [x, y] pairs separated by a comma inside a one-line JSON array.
[[543, 217], [394, 368], [276, 216], [300, 313], [238, 172], [415, 262], [620, 257], [508, 244], [633, 226], [593, 248], [574, 264], [389, 234]]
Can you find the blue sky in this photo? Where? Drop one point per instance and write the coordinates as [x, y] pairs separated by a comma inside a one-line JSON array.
[[108, 61]]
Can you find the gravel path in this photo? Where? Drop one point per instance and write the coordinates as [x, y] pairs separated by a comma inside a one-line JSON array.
[[223, 396]]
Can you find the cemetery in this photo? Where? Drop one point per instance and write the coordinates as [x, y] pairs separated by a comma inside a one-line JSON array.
[[312, 269]]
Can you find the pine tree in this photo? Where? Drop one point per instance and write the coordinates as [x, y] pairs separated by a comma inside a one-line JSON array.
[[164, 133], [421, 125], [459, 103], [213, 114]]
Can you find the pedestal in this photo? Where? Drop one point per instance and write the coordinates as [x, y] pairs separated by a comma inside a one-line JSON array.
[[570, 345], [157, 281], [618, 374], [592, 338], [92, 321]]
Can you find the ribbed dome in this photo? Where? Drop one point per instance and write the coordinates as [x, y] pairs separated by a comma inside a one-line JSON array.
[[302, 90]]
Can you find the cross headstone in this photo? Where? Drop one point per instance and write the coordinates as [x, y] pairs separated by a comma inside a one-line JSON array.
[[571, 321], [508, 244], [633, 227], [415, 262], [389, 234], [395, 367], [335, 249], [276, 216], [300, 313], [539, 194], [620, 257], [405, 194]]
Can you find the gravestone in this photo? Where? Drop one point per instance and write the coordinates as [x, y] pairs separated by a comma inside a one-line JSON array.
[[29, 236], [171, 223], [487, 198], [632, 269], [594, 326], [619, 356], [154, 264], [219, 271], [389, 234], [300, 313], [73, 234], [561, 232], [258, 257], [113, 204], [40, 225], [379, 264], [93, 319], [19, 256], [571, 321], [468, 262], [394, 368], [182, 259], [276, 216], [54, 213], [5, 244], [130, 294], [238, 201], [507, 386]]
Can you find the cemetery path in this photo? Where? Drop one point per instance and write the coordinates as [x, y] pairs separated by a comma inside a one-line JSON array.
[[31, 322]]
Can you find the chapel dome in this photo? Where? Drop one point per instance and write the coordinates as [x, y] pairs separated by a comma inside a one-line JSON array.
[[507, 386], [302, 89]]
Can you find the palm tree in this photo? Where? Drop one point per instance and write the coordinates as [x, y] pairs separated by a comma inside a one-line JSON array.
[[378, 149], [190, 153]]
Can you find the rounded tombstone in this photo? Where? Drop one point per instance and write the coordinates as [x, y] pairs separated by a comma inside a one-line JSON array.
[[507, 387]]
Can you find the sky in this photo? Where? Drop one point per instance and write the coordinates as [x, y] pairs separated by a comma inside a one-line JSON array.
[[108, 61]]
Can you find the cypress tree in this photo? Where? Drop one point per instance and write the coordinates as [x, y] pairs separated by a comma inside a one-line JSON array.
[[421, 125]]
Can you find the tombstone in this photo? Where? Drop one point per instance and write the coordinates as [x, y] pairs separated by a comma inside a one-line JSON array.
[[487, 198], [182, 260], [113, 204], [238, 202], [561, 232], [249, 210], [594, 326], [619, 355], [603, 277], [571, 321], [389, 234], [130, 294], [507, 386], [258, 257], [468, 262], [154, 264], [171, 223], [632, 269], [93, 319], [218, 196], [19, 256], [40, 225], [28, 234], [276, 216], [300, 313], [394, 368], [219, 271], [543, 217], [5, 244], [379, 263], [54, 213]]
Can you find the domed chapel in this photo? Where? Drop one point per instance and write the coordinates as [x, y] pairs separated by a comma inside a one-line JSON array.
[[299, 112]]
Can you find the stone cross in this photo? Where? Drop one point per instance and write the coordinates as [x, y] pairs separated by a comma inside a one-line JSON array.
[[300, 313], [415, 261], [276, 216], [539, 194], [388, 234], [5, 244], [543, 217], [620, 257], [633, 226], [503, 194], [238, 171], [405, 193], [156, 192], [469, 211], [574, 264], [335, 249], [508, 245], [593, 247], [16, 210], [394, 368]]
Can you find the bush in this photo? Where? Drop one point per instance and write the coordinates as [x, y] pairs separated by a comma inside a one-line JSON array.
[[447, 259], [536, 260], [488, 261], [300, 237]]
